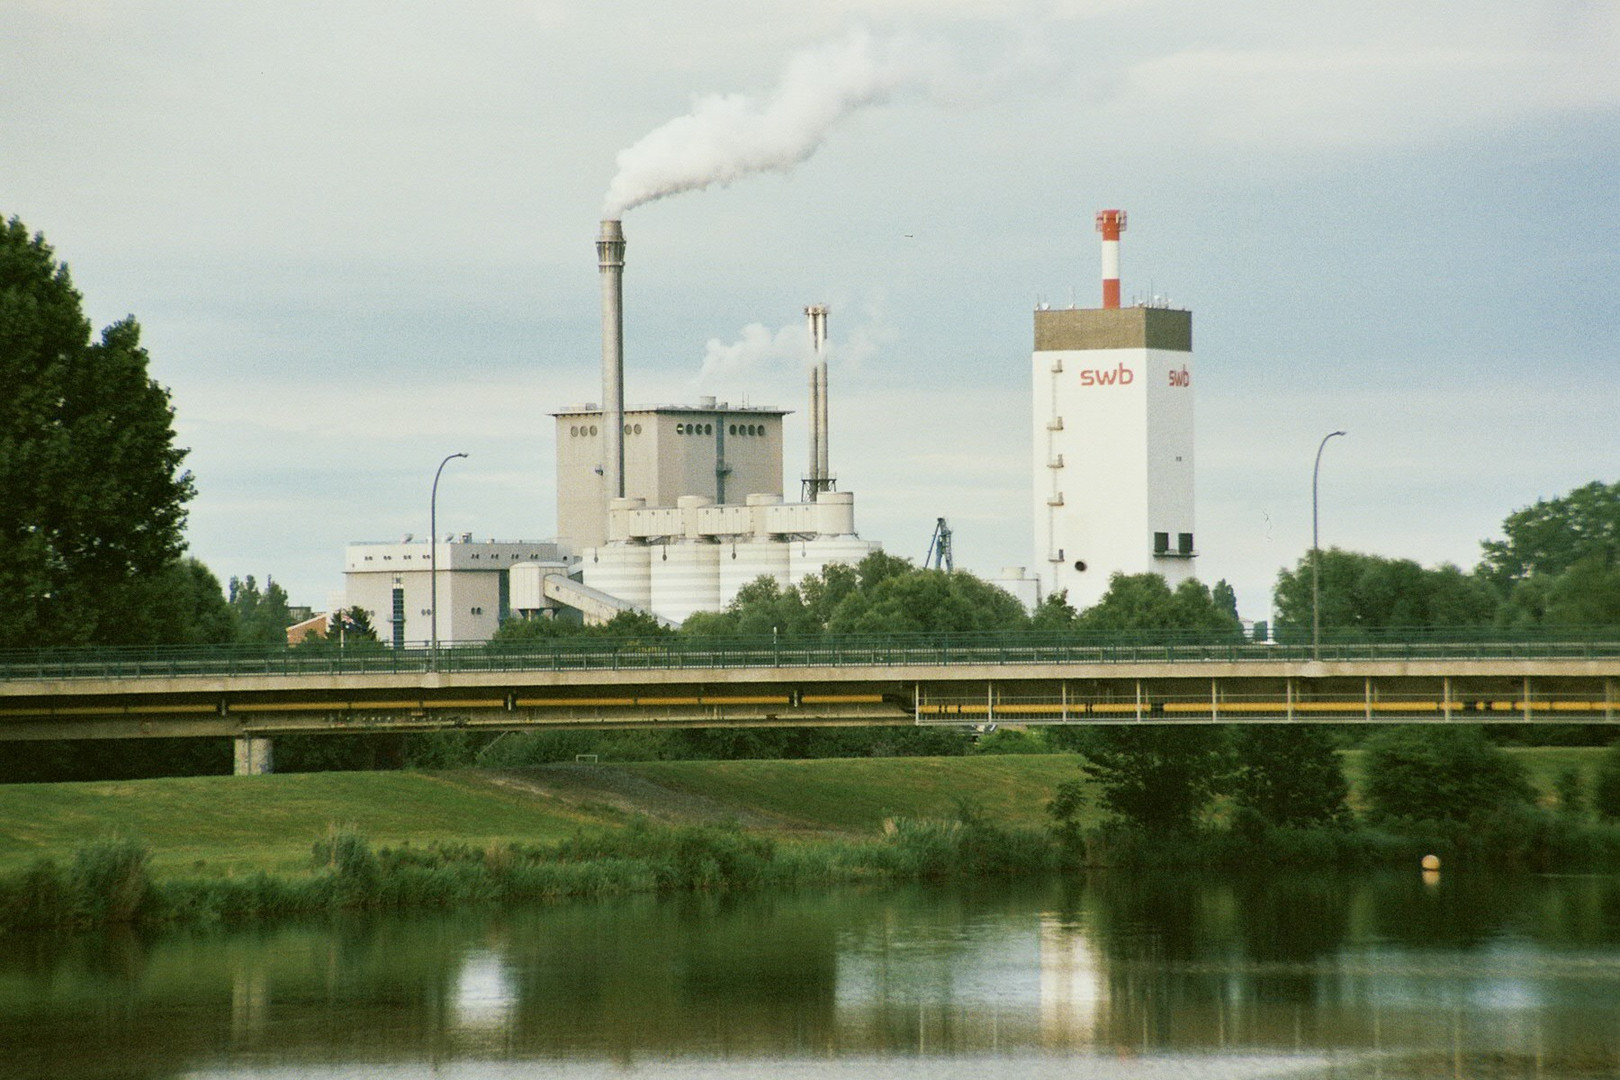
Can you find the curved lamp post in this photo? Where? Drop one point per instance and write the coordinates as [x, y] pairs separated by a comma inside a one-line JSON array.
[[433, 559], [1316, 555]]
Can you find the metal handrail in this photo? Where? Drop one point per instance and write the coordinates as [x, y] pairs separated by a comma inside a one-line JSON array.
[[676, 651]]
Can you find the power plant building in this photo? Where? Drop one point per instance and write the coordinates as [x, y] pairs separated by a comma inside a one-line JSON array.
[[712, 449], [1113, 446]]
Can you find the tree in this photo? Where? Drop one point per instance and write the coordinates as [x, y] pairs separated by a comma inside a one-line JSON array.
[[185, 605], [1550, 537], [761, 608], [1427, 772], [1288, 774], [350, 625], [926, 601], [1146, 602], [261, 617], [1559, 561], [1371, 592], [92, 495], [1054, 613], [1157, 777], [1586, 594]]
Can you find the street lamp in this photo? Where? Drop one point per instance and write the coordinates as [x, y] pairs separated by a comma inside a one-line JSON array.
[[1316, 555], [433, 558]]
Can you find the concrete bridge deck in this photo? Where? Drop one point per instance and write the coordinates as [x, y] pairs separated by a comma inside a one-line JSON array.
[[696, 683]]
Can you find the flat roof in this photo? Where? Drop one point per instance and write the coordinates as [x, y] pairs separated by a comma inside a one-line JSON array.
[[593, 409]]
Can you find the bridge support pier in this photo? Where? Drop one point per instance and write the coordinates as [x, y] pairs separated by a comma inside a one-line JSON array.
[[253, 755]]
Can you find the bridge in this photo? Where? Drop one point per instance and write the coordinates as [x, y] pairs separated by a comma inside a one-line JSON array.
[[252, 695]]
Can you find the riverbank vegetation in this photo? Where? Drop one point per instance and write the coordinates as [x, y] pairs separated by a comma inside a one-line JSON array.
[[208, 850]]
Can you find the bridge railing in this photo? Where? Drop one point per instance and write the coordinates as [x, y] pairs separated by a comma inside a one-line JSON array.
[[676, 652]]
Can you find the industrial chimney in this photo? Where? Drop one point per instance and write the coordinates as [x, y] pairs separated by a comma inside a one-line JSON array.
[[1110, 223], [610, 260], [820, 477]]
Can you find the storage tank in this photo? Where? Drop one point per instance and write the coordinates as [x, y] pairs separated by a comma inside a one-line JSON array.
[[685, 578], [742, 561], [622, 569], [806, 557]]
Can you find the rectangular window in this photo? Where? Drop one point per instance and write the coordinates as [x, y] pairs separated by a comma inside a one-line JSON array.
[[1184, 543], [399, 617], [1161, 543]]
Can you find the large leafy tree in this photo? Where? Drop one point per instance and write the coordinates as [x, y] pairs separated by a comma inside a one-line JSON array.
[[261, 615], [1371, 592], [1440, 773], [1288, 774], [1146, 602], [1157, 777], [92, 493], [1554, 535], [1558, 562]]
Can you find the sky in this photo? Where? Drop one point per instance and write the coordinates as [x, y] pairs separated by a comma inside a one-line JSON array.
[[359, 237]]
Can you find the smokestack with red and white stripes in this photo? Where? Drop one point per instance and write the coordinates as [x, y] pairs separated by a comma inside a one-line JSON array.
[[1110, 223]]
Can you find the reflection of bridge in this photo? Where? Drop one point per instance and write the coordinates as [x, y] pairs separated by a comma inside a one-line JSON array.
[[696, 682]]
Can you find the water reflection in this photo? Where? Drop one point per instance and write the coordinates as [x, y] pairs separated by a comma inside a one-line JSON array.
[[1242, 975]]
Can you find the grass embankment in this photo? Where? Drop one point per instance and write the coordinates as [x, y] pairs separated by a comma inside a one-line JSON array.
[[222, 847]]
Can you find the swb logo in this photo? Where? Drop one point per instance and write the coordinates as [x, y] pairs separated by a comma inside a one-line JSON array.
[[1120, 376]]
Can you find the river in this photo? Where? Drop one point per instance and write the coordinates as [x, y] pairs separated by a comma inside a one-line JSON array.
[[1116, 974]]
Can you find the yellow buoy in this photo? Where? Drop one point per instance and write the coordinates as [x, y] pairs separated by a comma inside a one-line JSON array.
[[1431, 862]]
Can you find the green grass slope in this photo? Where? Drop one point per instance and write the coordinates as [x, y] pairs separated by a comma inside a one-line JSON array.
[[205, 826]]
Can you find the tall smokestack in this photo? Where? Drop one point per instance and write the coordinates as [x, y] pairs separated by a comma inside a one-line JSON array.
[[820, 475], [610, 260], [1110, 223]]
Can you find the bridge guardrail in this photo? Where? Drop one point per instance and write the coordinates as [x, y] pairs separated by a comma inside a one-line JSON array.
[[701, 653]]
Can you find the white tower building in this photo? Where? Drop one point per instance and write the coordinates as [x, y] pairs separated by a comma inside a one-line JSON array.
[[1113, 449]]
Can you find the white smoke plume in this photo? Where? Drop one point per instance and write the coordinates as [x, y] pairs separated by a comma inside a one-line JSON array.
[[757, 348], [728, 136]]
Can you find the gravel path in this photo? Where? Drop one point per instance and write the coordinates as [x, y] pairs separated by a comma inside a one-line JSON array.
[[585, 786]]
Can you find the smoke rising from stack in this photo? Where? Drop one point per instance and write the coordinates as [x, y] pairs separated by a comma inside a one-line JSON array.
[[729, 136]]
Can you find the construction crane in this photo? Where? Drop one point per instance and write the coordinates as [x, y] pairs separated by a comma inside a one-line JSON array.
[[939, 548]]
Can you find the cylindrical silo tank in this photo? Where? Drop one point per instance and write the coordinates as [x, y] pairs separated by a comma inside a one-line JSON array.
[[685, 578], [806, 557], [835, 513], [621, 569], [743, 561]]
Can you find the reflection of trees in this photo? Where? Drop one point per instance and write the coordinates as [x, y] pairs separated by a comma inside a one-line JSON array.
[[1194, 958], [1458, 910], [1139, 960]]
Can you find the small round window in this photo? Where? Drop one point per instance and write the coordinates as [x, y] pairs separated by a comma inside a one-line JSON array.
[[636, 428], [1080, 564], [593, 429]]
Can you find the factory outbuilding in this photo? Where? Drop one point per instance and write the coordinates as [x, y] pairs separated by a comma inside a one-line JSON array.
[[1113, 446]]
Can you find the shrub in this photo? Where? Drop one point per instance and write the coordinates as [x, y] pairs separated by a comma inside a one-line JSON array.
[[1288, 774], [1440, 773], [109, 880]]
